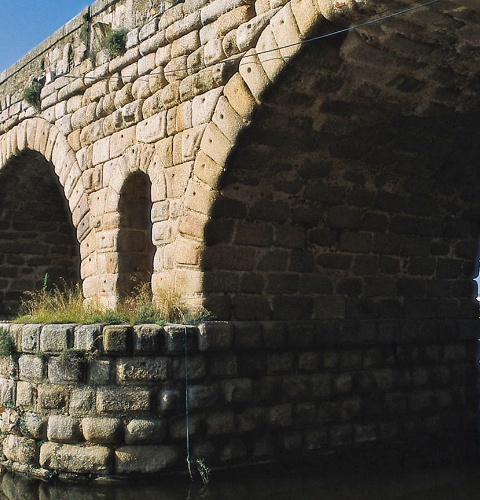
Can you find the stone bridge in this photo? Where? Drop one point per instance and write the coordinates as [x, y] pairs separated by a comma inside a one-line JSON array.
[[264, 177], [318, 193]]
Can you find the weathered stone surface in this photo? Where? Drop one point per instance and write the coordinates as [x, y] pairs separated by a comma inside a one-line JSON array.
[[34, 425], [216, 336], [30, 338], [147, 431], [63, 429], [120, 399], [142, 369], [102, 430], [147, 339], [116, 339], [148, 459], [56, 338], [20, 449], [76, 458], [87, 337]]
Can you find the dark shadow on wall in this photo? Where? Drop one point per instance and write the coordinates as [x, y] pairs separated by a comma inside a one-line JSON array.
[[353, 194], [37, 237], [135, 247]]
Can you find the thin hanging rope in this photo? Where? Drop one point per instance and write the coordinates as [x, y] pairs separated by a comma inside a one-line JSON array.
[[187, 429]]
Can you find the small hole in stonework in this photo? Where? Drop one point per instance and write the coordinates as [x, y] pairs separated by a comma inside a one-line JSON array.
[[210, 141], [203, 100], [194, 193], [221, 117], [249, 25], [249, 70]]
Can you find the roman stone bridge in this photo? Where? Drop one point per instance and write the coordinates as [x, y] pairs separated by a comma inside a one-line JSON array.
[[320, 194], [221, 157]]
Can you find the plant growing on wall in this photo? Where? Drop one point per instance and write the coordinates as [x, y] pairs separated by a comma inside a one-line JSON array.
[[6, 343], [116, 41], [32, 94]]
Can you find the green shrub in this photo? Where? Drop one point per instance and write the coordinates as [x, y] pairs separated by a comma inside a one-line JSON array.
[[115, 41], [32, 94]]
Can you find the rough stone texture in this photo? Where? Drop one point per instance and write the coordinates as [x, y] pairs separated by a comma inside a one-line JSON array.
[[149, 459], [145, 431], [101, 430], [311, 386], [320, 200], [20, 449], [77, 459]]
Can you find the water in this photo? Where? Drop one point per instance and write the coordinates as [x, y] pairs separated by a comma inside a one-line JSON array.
[[312, 483]]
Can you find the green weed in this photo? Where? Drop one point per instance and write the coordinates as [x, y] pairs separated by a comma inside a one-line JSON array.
[[7, 345], [115, 42]]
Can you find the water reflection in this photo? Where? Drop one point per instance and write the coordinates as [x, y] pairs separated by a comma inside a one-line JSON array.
[[439, 484]]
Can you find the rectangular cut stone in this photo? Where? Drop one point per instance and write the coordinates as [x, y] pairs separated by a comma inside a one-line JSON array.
[[253, 74], [206, 170], [186, 44], [143, 369], [215, 144], [153, 43], [31, 338], [63, 429], [152, 129], [31, 367], [102, 430], [52, 397], [204, 105], [184, 26], [307, 15], [20, 449], [147, 339], [239, 96], [199, 197], [123, 399], [116, 339], [286, 32], [218, 7], [247, 33], [82, 401], [145, 459], [215, 336], [86, 337], [227, 119], [147, 431], [268, 54], [56, 338], [76, 459], [101, 151]]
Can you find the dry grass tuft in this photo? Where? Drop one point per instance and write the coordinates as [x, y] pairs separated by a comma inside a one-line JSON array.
[[64, 304]]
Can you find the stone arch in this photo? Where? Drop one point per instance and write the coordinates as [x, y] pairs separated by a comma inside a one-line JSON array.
[[271, 42], [134, 243], [41, 182], [113, 269], [370, 208]]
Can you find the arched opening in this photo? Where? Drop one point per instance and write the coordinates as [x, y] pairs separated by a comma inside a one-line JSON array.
[[37, 237], [354, 193], [135, 247]]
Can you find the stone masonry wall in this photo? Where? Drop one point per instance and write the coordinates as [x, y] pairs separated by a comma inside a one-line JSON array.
[[257, 391], [171, 107]]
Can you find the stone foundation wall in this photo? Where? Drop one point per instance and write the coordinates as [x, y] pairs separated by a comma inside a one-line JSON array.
[[93, 400]]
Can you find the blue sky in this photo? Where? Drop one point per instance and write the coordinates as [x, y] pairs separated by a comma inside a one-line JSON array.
[[26, 23]]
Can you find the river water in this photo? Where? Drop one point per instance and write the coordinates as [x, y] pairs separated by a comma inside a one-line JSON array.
[[308, 483]]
